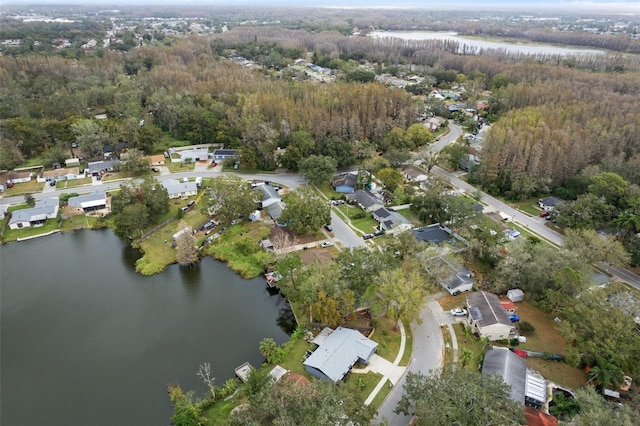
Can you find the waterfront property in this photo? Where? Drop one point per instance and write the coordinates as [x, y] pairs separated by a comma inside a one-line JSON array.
[[35, 216], [338, 351], [89, 203]]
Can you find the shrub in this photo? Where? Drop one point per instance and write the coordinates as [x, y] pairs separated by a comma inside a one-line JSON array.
[[526, 327]]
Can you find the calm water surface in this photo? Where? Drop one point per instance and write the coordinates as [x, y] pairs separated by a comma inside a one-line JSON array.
[[515, 47], [85, 340]]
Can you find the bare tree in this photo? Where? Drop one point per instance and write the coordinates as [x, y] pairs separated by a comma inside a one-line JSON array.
[[282, 239], [204, 372], [186, 250]]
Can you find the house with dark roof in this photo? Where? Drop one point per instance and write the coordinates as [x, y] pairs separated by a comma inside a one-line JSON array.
[[338, 351], [222, 154], [391, 221], [97, 167], [88, 203], [549, 203], [345, 183], [487, 318], [35, 216], [366, 200], [509, 366], [432, 234]]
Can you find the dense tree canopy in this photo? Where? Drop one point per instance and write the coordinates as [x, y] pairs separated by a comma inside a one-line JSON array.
[[319, 402], [459, 397], [305, 211]]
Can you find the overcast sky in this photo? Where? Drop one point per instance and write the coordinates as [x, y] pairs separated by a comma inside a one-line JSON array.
[[630, 6]]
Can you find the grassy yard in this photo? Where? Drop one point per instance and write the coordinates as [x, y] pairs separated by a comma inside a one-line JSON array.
[[24, 188], [73, 183], [387, 338], [411, 216], [238, 246], [14, 234], [157, 249]]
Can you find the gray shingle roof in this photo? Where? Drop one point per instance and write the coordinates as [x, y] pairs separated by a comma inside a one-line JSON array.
[[432, 234], [486, 308], [364, 198], [40, 211]]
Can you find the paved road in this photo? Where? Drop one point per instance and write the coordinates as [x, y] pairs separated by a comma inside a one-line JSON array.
[[426, 356], [344, 233]]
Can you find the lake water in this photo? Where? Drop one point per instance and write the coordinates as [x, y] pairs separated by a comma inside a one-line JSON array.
[[515, 47], [85, 340]]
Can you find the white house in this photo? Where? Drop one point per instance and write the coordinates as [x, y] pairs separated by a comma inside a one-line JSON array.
[[91, 202], [487, 318], [549, 203], [177, 189], [35, 216], [198, 154]]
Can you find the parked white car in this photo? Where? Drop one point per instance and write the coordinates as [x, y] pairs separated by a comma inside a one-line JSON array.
[[458, 312], [326, 244]]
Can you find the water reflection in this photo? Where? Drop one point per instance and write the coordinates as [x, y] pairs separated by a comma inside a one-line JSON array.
[[191, 276], [286, 320]]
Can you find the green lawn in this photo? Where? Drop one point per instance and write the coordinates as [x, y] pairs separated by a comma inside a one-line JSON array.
[[238, 246], [14, 234], [63, 184], [24, 188]]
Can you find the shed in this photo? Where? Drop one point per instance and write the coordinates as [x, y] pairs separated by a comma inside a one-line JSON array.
[[69, 162], [515, 295]]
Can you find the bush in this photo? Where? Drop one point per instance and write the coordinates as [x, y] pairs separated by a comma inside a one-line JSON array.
[[526, 327]]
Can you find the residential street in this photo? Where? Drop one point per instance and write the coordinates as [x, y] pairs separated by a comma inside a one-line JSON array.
[[426, 356]]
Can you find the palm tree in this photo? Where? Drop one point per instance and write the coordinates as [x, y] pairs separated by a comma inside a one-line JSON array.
[[629, 221], [606, 374], [465, 356], [268, 347]]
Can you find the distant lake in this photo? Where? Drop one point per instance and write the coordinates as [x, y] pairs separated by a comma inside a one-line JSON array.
[[85, 340], [515, 47]]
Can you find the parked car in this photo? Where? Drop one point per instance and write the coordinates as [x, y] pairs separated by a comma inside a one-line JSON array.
[[367, 236], [326, 244], [52, 183], [214, 164], [514, 318], [458, 312], [337, 202], [155, 169], [378, 233], [328, 228], [545, 213]]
